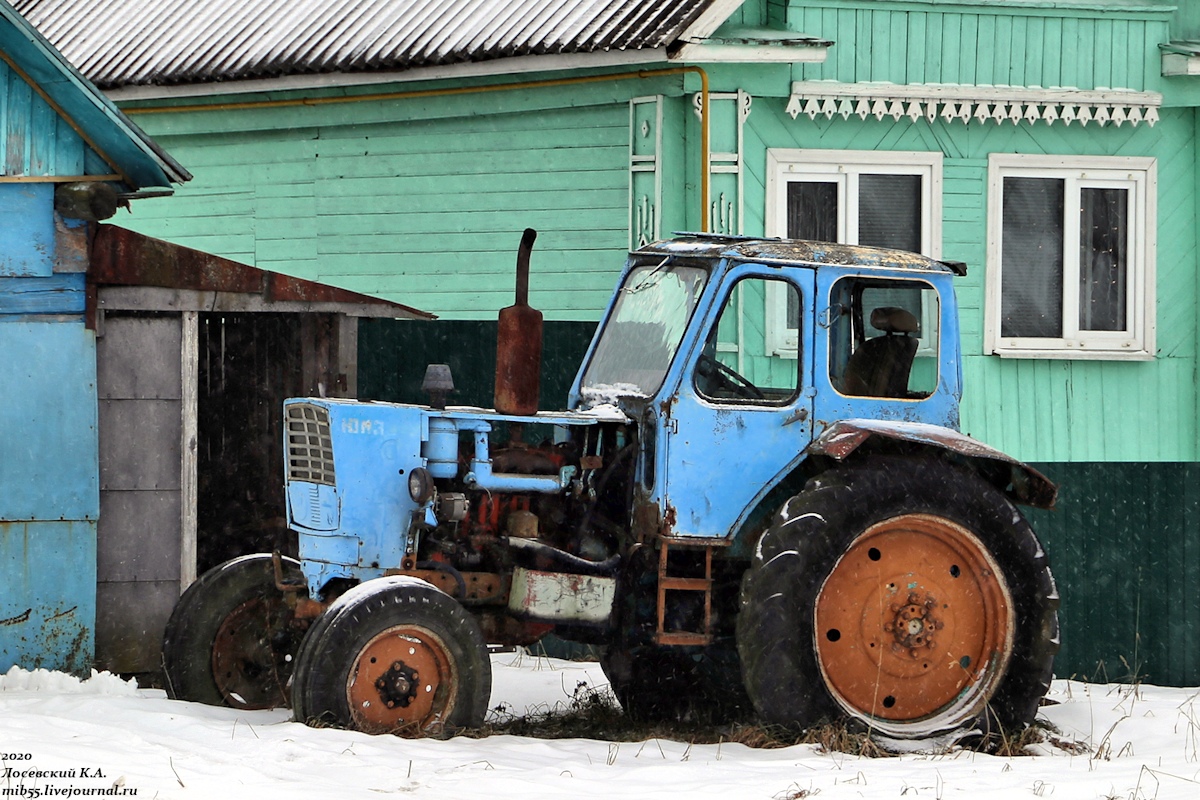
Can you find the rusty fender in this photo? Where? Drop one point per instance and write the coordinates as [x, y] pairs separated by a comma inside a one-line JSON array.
[[1025, 484]]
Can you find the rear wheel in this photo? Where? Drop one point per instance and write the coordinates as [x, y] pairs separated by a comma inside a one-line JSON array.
[[394, 655], [909, 595], [232, 637]]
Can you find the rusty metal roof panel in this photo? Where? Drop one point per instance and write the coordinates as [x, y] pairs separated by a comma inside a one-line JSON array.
[[131, 42]]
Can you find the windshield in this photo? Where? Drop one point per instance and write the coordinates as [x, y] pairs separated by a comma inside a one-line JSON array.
[[652, 310]]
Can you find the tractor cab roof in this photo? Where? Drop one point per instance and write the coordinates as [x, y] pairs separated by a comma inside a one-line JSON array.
[[795, 251]]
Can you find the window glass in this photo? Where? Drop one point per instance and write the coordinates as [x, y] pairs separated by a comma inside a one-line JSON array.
[[650, 314], [1102, 258], [1033, 257], [884, 338], [889, 211], [736, 365], [812, 210]]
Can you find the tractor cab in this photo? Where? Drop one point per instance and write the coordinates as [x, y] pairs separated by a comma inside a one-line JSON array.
[[734, 354]]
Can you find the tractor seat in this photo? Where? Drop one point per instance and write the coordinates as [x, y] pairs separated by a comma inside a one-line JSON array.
[[880, 366]]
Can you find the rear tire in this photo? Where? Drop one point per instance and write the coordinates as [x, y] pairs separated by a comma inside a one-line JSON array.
[[231, 638], [394, 655], [909, 595]]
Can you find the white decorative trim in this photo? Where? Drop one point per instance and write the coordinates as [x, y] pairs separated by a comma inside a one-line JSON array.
[[644, 217], [982, 104], [726, 215]]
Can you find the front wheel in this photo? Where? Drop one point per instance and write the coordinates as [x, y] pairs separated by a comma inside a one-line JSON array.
[[232, 636], [909, 595], [394, 655]]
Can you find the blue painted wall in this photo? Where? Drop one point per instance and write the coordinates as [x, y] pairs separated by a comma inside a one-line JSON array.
[[50, 499]]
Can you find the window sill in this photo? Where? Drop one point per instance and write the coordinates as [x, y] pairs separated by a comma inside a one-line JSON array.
[[1076, 354]]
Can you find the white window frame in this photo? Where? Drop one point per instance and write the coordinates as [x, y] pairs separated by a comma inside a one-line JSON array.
[[843, 167], [1140, 177]]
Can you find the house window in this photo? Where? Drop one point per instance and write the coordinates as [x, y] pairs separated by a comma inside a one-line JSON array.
[[1070, 257], [853, 197]]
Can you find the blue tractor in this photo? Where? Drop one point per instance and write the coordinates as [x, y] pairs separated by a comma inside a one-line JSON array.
[[758, 503]]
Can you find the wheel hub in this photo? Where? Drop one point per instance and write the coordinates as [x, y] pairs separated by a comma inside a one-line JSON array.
[[397, 686], [402, 680], [914, 621], [251, 654], [913, 625]]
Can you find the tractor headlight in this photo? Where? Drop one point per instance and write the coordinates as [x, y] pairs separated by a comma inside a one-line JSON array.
[[420, 485]]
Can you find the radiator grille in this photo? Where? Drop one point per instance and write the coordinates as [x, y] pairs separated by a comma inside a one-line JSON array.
[[310, 447]]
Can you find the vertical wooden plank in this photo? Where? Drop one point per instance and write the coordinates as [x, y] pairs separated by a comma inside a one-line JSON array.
[[1002, 40], [894, 63], [986, 49], [847, 29], [5, 112], [1069, 50], [934, 25], [43, 126], [1102, 53], [881, 45], [970, 47], [1085, 67], [1121, 61], [863, 44], [68, 153], [1052, 48], [914, 69], [347, 356], [1143, 39], [1035, 29], [16, 160], [189, 365], [952, 48], [1016, 66]]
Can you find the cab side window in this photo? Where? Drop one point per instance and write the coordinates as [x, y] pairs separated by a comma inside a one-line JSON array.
[[884, 338], [736, 366]]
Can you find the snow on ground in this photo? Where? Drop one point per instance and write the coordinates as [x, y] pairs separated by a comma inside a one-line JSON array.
[[60, 737]]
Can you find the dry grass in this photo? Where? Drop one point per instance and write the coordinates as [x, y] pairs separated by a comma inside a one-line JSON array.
[[594, 714]]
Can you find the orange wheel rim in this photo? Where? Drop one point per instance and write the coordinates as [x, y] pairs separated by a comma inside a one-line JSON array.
[[914, 622], [403, 680]]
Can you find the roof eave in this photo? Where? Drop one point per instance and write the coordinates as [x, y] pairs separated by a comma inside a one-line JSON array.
[[145, 165]]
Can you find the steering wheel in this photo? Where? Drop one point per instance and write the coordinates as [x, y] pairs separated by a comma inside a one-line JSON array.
[[728, 378]]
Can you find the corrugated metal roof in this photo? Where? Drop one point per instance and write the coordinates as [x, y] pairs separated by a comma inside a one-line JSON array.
[[130, 42]]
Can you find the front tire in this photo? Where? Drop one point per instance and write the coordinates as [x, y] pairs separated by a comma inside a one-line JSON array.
[[909, 595], [232, 636], [394, 655]]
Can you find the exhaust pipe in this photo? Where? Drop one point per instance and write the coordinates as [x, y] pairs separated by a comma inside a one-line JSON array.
[[519, 344]]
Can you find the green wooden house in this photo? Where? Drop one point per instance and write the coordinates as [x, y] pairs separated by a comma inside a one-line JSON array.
[[398, 149]]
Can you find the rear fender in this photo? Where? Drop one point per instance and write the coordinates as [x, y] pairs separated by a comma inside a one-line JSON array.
[[1022, 483]]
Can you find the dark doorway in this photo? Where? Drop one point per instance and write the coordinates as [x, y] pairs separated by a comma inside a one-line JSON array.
[[249, 363]]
